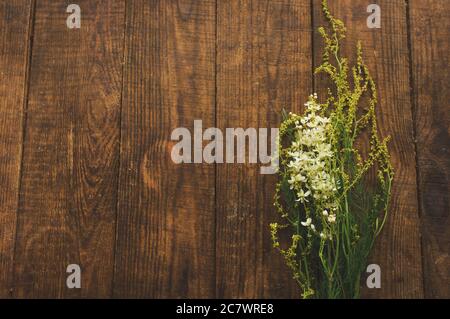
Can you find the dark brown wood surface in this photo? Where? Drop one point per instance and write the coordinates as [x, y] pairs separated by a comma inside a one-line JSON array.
[[86, 117], [165, 222], [68, 189], [15, 26], [430, 25], [263, 66]]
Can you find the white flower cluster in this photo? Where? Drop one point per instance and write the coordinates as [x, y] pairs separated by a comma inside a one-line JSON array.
[[310, 162]]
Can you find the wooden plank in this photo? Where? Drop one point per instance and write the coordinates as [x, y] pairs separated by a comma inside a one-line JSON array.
[[398, 249], [15, 22], [71, 151], [165, 237], [263, 66], [430, 27]]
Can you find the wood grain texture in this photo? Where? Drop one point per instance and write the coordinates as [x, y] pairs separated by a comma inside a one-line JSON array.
[[166, 222], [15, 22], [263, 66], [430, 25], [398, 249], [71, 151], [86, 117]]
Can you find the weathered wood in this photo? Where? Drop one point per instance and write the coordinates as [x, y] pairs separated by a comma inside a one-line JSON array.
[[398, 249], [166, 222], [430, 25], [198, 230], [15, 22], [70, 165], [263, 66]]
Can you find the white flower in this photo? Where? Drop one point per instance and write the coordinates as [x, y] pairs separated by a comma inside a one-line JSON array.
[[302, 196], [313, 227], [307, 223], [310, 156], [325, 213], [323, 236], [332, 218], [312, 124]]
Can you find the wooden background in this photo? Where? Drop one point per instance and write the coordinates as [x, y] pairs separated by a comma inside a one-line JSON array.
[[85, 123]]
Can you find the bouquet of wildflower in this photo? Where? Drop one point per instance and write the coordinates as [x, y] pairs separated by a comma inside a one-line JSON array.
[[333, 193]]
